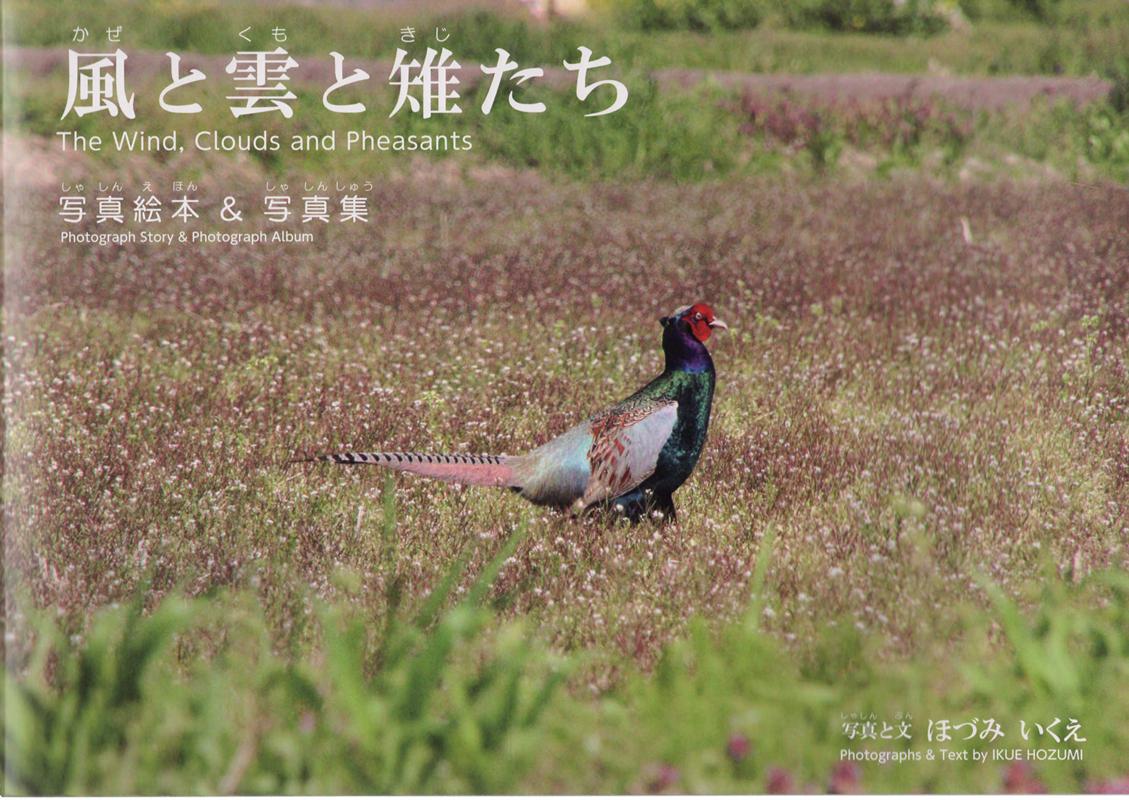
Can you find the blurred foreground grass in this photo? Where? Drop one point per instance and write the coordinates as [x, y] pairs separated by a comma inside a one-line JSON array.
[[191, 698]]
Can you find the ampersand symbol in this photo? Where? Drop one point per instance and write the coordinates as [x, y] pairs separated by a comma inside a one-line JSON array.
[[228, 212]]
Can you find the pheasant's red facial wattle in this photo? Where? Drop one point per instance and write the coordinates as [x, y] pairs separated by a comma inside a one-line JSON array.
[[702, 322]]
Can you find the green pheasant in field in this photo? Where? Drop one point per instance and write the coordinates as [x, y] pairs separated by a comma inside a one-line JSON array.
[[629, 458]]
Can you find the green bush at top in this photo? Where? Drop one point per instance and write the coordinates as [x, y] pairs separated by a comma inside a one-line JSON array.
[[866, 16], [1043, 10], [690, 15]]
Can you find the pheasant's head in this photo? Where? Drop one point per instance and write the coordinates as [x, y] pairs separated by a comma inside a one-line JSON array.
[[698, 318]]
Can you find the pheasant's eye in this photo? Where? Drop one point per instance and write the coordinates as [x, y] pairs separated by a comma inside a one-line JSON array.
[[698, 315]]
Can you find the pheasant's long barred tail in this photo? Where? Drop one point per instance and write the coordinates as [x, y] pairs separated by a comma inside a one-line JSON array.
[[409, 458], [477, 470]]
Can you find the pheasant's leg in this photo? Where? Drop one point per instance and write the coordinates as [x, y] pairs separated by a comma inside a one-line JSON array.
[[664, 504], [638, 505], [632, 505]]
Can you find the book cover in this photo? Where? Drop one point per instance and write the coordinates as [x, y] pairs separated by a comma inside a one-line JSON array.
[[566, 397]]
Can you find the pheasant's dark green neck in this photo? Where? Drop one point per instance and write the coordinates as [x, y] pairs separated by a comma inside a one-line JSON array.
[[689, 380], [688, 377], [684, 353]]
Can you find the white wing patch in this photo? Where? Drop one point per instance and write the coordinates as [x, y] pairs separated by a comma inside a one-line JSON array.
[[625, 449]]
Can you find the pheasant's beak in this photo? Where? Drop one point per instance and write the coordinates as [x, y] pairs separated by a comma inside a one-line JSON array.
[[719, 325]]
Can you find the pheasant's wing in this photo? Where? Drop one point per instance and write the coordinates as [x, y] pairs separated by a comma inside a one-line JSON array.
[[626, 442]]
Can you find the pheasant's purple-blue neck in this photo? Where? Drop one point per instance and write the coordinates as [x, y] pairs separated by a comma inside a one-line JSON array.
[[684, 335], [683, 351]]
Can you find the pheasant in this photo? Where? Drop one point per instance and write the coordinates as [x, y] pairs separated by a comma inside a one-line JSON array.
[[628, 459]]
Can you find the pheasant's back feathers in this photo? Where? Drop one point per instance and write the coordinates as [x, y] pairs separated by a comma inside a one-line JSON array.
[[625, 447]]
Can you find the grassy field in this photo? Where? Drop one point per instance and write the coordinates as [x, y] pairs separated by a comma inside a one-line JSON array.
[[913, 505], [916, 417]]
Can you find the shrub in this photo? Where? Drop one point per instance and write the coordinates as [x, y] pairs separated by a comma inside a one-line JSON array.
[[1106, 139], [866, 16], [1043, 10], [477, 34], [694, 15]]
